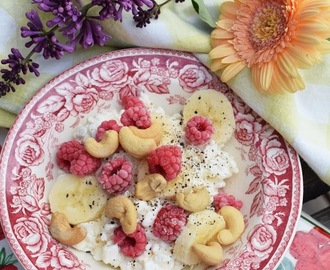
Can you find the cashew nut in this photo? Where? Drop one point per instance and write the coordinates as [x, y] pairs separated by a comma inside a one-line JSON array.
[[234, 225], [155, 131], [147, 188], [211, 254], [104, 148], [193, 200], [134, 145], [122, 208], [62, 231]]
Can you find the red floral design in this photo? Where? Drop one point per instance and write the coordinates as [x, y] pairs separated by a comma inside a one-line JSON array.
[[261, 240], [29, 151], [247, 129], [311, 250], [112, 75], [274, 158], [193, 77], [30, 231]]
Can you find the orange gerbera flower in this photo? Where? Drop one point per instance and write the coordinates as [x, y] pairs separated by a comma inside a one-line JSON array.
[[274, 38]]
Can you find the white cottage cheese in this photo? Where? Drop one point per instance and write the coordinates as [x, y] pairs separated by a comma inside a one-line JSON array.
[[208, 166]]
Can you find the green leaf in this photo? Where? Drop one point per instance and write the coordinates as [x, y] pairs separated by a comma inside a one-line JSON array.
[[203, 12]]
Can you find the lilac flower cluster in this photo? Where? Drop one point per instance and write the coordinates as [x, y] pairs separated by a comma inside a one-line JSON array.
[[71, 19]]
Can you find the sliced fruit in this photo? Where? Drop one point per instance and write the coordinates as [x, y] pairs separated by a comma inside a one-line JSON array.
[[216, 107], [80, 199], [202, 228]]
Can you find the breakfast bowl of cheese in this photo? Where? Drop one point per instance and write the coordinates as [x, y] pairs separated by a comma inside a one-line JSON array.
[[143, 159]]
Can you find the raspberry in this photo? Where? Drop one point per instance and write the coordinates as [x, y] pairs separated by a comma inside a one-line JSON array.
[[169, 222], [72, 157], [133, 244], [116, 175], [198, 130], [136, 116], [166, 160], [223, 199], [131, 101], [105, 126]]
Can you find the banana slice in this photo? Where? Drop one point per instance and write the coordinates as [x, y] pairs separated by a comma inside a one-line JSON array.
[[202, 227], [80, 199], [217, 108]]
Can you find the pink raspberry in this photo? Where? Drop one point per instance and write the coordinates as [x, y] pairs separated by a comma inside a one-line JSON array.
[[136, 116], [116, 175], [198, 130], [131, 101], [169, 222], [133, 244], [166, 160], [73, 158], [105, 126], [223, 199]]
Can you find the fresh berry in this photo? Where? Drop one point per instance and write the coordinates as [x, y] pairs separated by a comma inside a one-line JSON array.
[[198, 130], [131, 101], [169, 222], [133, 244], [105, 126], [116, 175], [136, 116], [223, 199], [166, 160], [73, 158]]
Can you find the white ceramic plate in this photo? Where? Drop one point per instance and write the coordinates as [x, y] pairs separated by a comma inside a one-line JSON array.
[[269, 182]]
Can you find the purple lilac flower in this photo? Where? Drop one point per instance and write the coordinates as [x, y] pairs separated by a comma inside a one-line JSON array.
[[90, 34], [16, 65], [45, 42], [5, 88], [113, 9], [143, 16], [63, 11], [140, 3]]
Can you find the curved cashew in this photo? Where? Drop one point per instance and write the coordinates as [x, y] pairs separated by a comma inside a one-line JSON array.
[[234, 225], [104, 148], [134, 145], [155, 131], [211, 254], [122, 208], [193, 200], [61, 230], [147, 188]]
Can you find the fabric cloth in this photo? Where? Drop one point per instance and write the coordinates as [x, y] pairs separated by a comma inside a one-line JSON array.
[[303, 118]]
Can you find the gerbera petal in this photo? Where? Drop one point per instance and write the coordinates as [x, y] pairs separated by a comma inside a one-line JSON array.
[[266, 75], [221, 34], [325, 46], [232, 70], [306, 13], [287, 64], [229, 8], [225, 24], [217, 65], [221, 51], [300, 58], [230, 59]]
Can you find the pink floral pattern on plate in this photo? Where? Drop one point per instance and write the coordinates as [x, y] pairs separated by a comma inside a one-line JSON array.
[[269, 182]]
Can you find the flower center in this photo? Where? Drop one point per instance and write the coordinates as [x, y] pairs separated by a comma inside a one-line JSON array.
[[267, 26]]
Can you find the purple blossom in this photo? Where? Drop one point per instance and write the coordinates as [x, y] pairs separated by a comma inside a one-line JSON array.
[[90, 34], [143, 16], [63, 11], [45, 42], [17, 65], [113, 9]]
